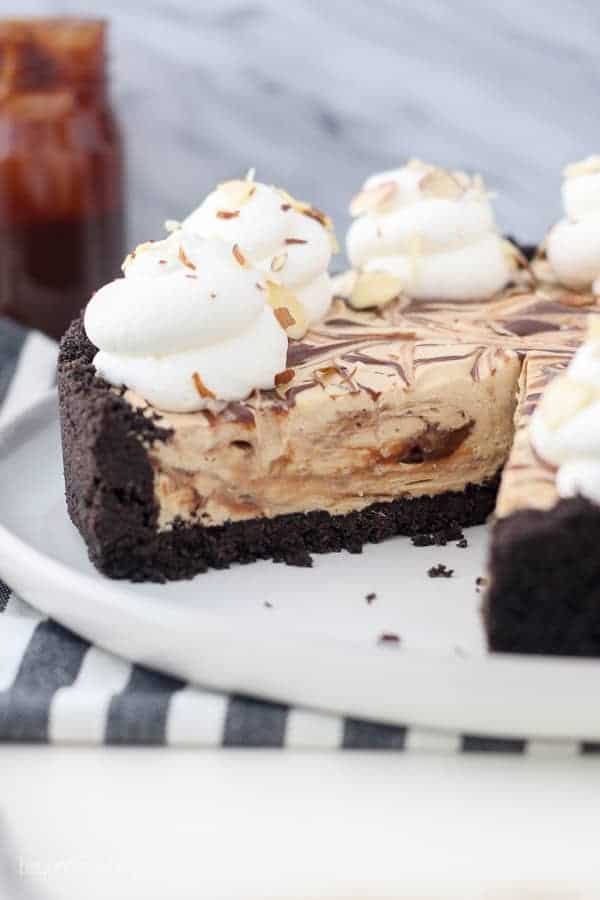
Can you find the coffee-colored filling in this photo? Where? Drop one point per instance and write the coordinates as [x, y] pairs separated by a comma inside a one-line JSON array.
[[409, 400]]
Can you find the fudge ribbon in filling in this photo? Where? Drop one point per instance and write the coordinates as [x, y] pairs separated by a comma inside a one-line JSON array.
[[189, 322], [289, 241], [433, 230], [573, 244], [565, 428]]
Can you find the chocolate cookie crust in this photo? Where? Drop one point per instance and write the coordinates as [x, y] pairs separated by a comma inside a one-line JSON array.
[[544, 595], [110, 495]]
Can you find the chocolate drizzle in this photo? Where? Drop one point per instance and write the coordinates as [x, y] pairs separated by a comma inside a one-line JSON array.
[[527, 327], [388, 348]]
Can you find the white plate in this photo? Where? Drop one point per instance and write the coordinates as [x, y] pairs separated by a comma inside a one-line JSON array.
[[317, 643]]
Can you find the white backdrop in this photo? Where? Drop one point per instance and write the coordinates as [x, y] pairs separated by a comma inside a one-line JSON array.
[[318, 94]]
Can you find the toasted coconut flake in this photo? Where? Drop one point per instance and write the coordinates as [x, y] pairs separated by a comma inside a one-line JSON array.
[[374, 289], [284, 377], [278, 262], [373, 199], [295, 241], [440, 184], [237, 192], [227, 214], [239, 256], [201, 388], [588, 166], [288, 311], [251, 174], [172, 225], [563, 399], [184, 258]]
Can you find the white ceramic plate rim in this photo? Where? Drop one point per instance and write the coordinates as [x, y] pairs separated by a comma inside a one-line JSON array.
[[500, 695]]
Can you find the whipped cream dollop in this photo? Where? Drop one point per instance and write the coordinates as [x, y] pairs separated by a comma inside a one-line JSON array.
[[573, 244], [290, 242], [188, 322], [433, 231], [565, 428]]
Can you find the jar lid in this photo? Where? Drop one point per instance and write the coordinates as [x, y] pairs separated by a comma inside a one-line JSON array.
[[50, 54]]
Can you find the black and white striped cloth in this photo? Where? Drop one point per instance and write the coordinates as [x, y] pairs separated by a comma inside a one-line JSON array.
[[57, 688]]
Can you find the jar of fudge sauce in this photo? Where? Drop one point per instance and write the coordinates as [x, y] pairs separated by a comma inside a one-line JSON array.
[[61, 170]]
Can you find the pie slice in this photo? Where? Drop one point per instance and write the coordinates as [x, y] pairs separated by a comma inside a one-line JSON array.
[[544, 594]]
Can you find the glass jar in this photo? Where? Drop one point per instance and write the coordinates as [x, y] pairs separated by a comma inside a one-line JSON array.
[[61, 171]]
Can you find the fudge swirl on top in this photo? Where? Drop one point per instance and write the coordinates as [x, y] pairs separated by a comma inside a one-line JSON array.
[[573, 244], [432, 231], [188, 323]]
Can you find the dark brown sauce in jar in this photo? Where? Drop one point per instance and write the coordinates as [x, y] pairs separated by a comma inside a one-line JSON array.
[[61, 171]]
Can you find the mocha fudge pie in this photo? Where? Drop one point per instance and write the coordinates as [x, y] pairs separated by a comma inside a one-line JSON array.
[[223, 402], [544, 594], [217, 406]]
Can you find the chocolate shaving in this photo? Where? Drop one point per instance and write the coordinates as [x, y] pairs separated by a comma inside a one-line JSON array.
[[285, 207], [203, 391], [370, 597], [295, 241]]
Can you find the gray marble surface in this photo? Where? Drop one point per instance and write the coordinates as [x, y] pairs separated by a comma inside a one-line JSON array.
[[319, 93]]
